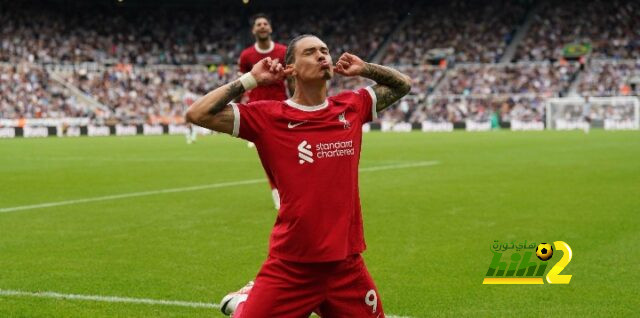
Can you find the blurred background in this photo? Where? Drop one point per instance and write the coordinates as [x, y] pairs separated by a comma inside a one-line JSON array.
[[475, 64]]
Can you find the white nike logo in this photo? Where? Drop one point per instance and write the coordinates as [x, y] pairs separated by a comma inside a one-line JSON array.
[[292, 125]]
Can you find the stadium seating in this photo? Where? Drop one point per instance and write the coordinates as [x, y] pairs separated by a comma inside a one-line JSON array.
[[28, 92], [612, 27], [478, 31], [491, 79], [611, 78], [139, 95], [146, 68]]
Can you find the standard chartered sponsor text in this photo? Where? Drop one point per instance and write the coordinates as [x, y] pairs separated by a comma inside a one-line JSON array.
[[335, 149]]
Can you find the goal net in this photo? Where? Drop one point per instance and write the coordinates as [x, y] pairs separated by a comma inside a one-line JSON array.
[[610, 113]]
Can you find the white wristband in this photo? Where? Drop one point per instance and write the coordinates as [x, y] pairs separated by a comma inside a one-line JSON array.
[[248, 81]]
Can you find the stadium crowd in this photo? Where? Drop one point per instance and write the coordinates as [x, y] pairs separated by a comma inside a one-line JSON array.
[[28, 92], [152, 65], [152, 94], [458, 108], [478, 31], [485, 79], [180, 36], [611, 26], [611, 78], [108, 35], [344, 29]]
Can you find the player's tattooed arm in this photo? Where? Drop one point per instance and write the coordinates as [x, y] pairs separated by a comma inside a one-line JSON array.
[[212, 110], [391, 85], [233, 91]]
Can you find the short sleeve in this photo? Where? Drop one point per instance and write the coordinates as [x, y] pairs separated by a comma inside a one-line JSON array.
[[248, 120], [365, 103]]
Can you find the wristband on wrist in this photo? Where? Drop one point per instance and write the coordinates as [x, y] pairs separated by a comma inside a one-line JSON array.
[[248, 81]]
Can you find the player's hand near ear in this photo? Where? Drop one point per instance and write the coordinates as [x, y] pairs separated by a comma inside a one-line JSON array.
[[269, 71], [349, 65]]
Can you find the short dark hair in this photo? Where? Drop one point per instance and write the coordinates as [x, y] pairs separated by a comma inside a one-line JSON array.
[[289, 56], [258, 16]]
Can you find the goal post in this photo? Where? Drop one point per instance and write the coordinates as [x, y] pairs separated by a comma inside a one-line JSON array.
[[610, 113]]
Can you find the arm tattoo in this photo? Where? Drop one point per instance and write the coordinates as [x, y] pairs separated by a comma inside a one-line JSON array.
[[391, 85], [234, 90]]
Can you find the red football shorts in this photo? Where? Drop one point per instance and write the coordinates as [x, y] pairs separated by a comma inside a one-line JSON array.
[[332, 289]]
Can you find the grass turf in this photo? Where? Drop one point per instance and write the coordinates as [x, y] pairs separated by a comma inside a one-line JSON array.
[[428, 229]]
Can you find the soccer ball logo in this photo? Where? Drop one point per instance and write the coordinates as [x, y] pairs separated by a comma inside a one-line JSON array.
[[544, 251]]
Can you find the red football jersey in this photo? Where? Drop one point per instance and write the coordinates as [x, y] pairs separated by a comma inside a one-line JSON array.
[[313, 154], [252, 55]]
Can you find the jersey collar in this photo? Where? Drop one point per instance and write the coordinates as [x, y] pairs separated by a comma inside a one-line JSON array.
[[307, 108], [261, 51]]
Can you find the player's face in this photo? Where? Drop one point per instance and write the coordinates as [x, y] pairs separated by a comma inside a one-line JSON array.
[[261, 29], [312, 60]]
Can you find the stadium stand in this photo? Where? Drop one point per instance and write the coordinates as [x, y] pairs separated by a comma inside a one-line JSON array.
[[28, 92], [486, 79], [146, 68], [157, 94], [104, 34], [478, 31], [611, 27], [611, 78], [356, 27]]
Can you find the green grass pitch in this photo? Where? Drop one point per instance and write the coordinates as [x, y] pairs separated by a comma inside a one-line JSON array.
[[428, 228]]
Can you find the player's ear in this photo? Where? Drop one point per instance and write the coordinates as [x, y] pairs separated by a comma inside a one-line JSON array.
[[289, 70]]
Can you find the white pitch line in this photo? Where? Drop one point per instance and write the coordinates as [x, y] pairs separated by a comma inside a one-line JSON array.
[[118, 299], [131, 195], [401, 166], [109, 299], [192, 188]]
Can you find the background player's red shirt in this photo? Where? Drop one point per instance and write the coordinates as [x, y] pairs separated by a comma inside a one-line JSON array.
[[252, 55], [313, 154]]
